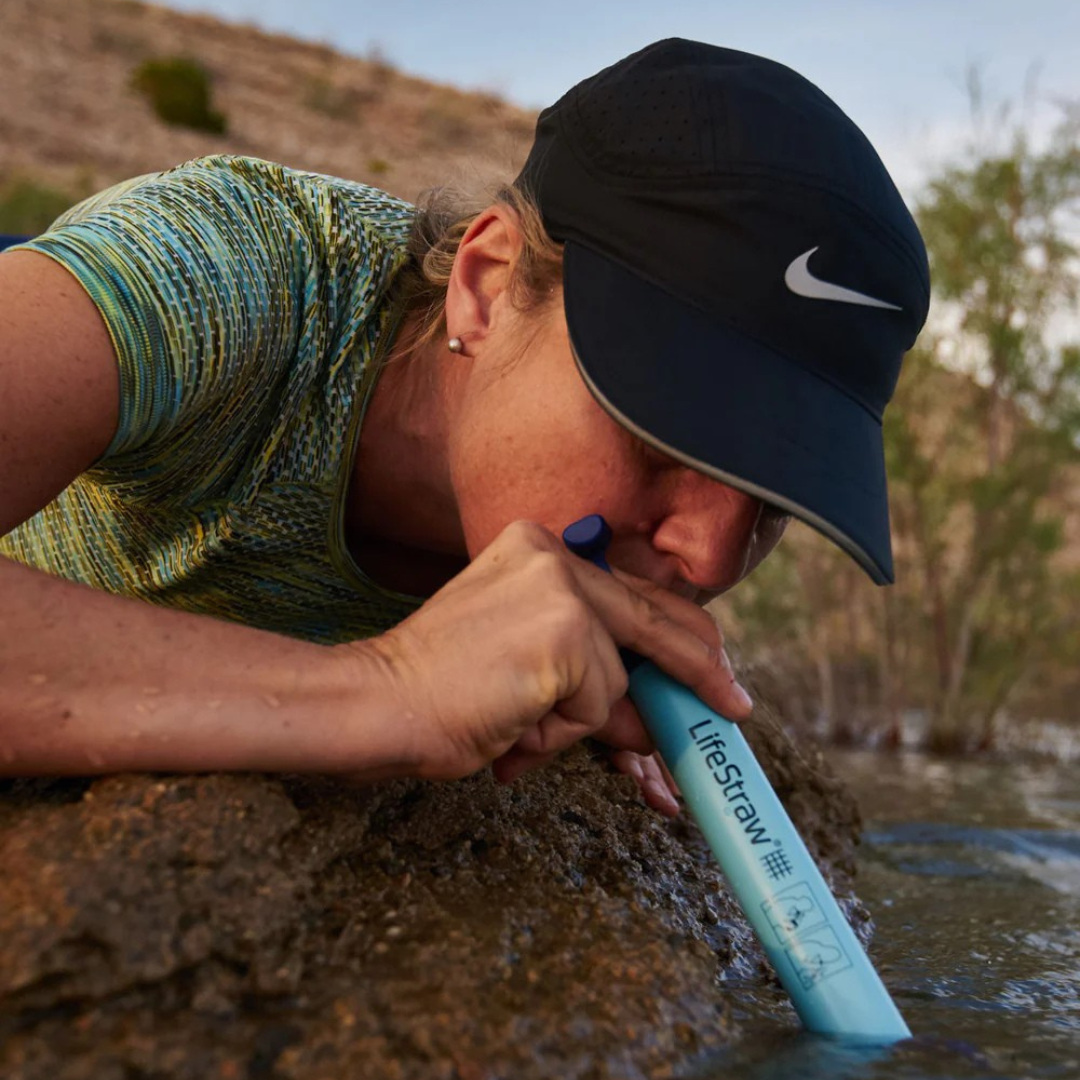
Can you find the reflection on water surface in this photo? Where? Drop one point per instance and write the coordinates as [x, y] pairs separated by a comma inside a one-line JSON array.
[[972, 870]]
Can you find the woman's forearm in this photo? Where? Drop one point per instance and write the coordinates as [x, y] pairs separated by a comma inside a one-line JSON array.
[[517, 652], [91, 683]]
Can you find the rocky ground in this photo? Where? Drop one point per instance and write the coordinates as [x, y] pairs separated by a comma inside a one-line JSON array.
[[248, 926]]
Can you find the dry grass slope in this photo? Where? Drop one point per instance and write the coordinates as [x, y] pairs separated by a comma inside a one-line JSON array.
[[70, 119]]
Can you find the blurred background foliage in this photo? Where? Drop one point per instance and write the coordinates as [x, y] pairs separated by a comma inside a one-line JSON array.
[[28, 206], [982, 629], [178, 88]]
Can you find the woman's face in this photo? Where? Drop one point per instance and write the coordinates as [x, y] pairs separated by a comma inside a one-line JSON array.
[[530, 442]]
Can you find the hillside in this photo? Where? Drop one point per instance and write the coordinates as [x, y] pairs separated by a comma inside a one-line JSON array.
[[71, 120]]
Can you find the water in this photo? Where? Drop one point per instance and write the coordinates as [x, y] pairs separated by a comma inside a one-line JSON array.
[[972, 871]]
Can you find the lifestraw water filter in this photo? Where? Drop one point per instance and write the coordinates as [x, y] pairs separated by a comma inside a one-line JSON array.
[[832, 984]]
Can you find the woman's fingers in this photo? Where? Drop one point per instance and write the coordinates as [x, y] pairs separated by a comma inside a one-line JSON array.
[[650, 775], [673, 787], [670, 630], [517, 761], [589, 709], [639, 614], [545, 627], [624, 729], [677, 607], [647, 770]]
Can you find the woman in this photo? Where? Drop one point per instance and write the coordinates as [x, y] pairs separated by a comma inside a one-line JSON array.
[[270, 397]]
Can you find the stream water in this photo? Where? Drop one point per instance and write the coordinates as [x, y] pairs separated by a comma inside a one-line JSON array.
[[972, 871]]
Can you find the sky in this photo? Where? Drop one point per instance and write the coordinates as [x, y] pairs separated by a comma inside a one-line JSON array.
[[897, 67]]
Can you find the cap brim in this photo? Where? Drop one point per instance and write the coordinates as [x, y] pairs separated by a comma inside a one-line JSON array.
[[728, 406]]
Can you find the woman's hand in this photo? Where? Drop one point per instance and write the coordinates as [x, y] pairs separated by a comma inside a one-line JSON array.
[[517, 658], [651, 775]]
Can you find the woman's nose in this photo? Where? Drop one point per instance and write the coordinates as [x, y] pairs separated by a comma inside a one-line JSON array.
[[709, 529]]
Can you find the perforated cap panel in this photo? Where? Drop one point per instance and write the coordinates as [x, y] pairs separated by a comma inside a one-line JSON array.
[[642, 120]]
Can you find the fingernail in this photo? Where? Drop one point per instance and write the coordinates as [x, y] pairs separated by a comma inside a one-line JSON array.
[[744, 699], [661, 794]]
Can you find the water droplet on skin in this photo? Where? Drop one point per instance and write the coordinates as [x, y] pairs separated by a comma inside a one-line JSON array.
[[38, 679], [151, 690], [272, 701], [215, 704], [95, 759]]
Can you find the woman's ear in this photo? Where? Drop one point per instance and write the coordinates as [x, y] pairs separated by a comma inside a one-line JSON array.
[[477, 296]]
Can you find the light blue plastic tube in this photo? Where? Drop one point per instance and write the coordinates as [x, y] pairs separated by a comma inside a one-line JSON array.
[[832, 984]]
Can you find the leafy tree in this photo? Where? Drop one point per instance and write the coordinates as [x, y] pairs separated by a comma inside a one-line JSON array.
[[982, 449], [977, 486]]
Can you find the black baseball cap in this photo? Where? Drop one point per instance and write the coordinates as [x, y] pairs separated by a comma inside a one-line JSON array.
[[741, 276]]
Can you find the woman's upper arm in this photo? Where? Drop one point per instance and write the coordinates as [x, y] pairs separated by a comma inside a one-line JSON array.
[[157, 329], [59, 384]]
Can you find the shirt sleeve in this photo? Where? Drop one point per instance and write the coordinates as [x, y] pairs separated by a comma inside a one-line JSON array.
[[208, 277]]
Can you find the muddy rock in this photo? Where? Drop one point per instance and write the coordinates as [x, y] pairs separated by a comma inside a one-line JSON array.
[[250, 926]]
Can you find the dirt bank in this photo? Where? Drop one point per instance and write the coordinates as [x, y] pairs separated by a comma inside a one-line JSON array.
[[250, 926]]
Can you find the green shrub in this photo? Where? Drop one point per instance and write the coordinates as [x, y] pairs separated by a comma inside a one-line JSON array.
[[28, 208], [179, 90]]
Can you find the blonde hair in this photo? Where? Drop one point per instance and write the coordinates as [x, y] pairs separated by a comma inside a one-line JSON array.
[[443, 218]]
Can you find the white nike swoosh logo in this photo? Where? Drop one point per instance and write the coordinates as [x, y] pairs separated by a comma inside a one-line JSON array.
[[800, 281]]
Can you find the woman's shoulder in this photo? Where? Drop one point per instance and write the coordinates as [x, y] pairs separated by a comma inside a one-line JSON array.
[[234, 185], [296, 229]]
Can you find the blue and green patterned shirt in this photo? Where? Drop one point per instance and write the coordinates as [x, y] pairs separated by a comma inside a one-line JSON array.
[[249, 306]]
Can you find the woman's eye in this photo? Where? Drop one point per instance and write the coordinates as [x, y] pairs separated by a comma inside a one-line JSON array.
[[772, 521], [774, 514]]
